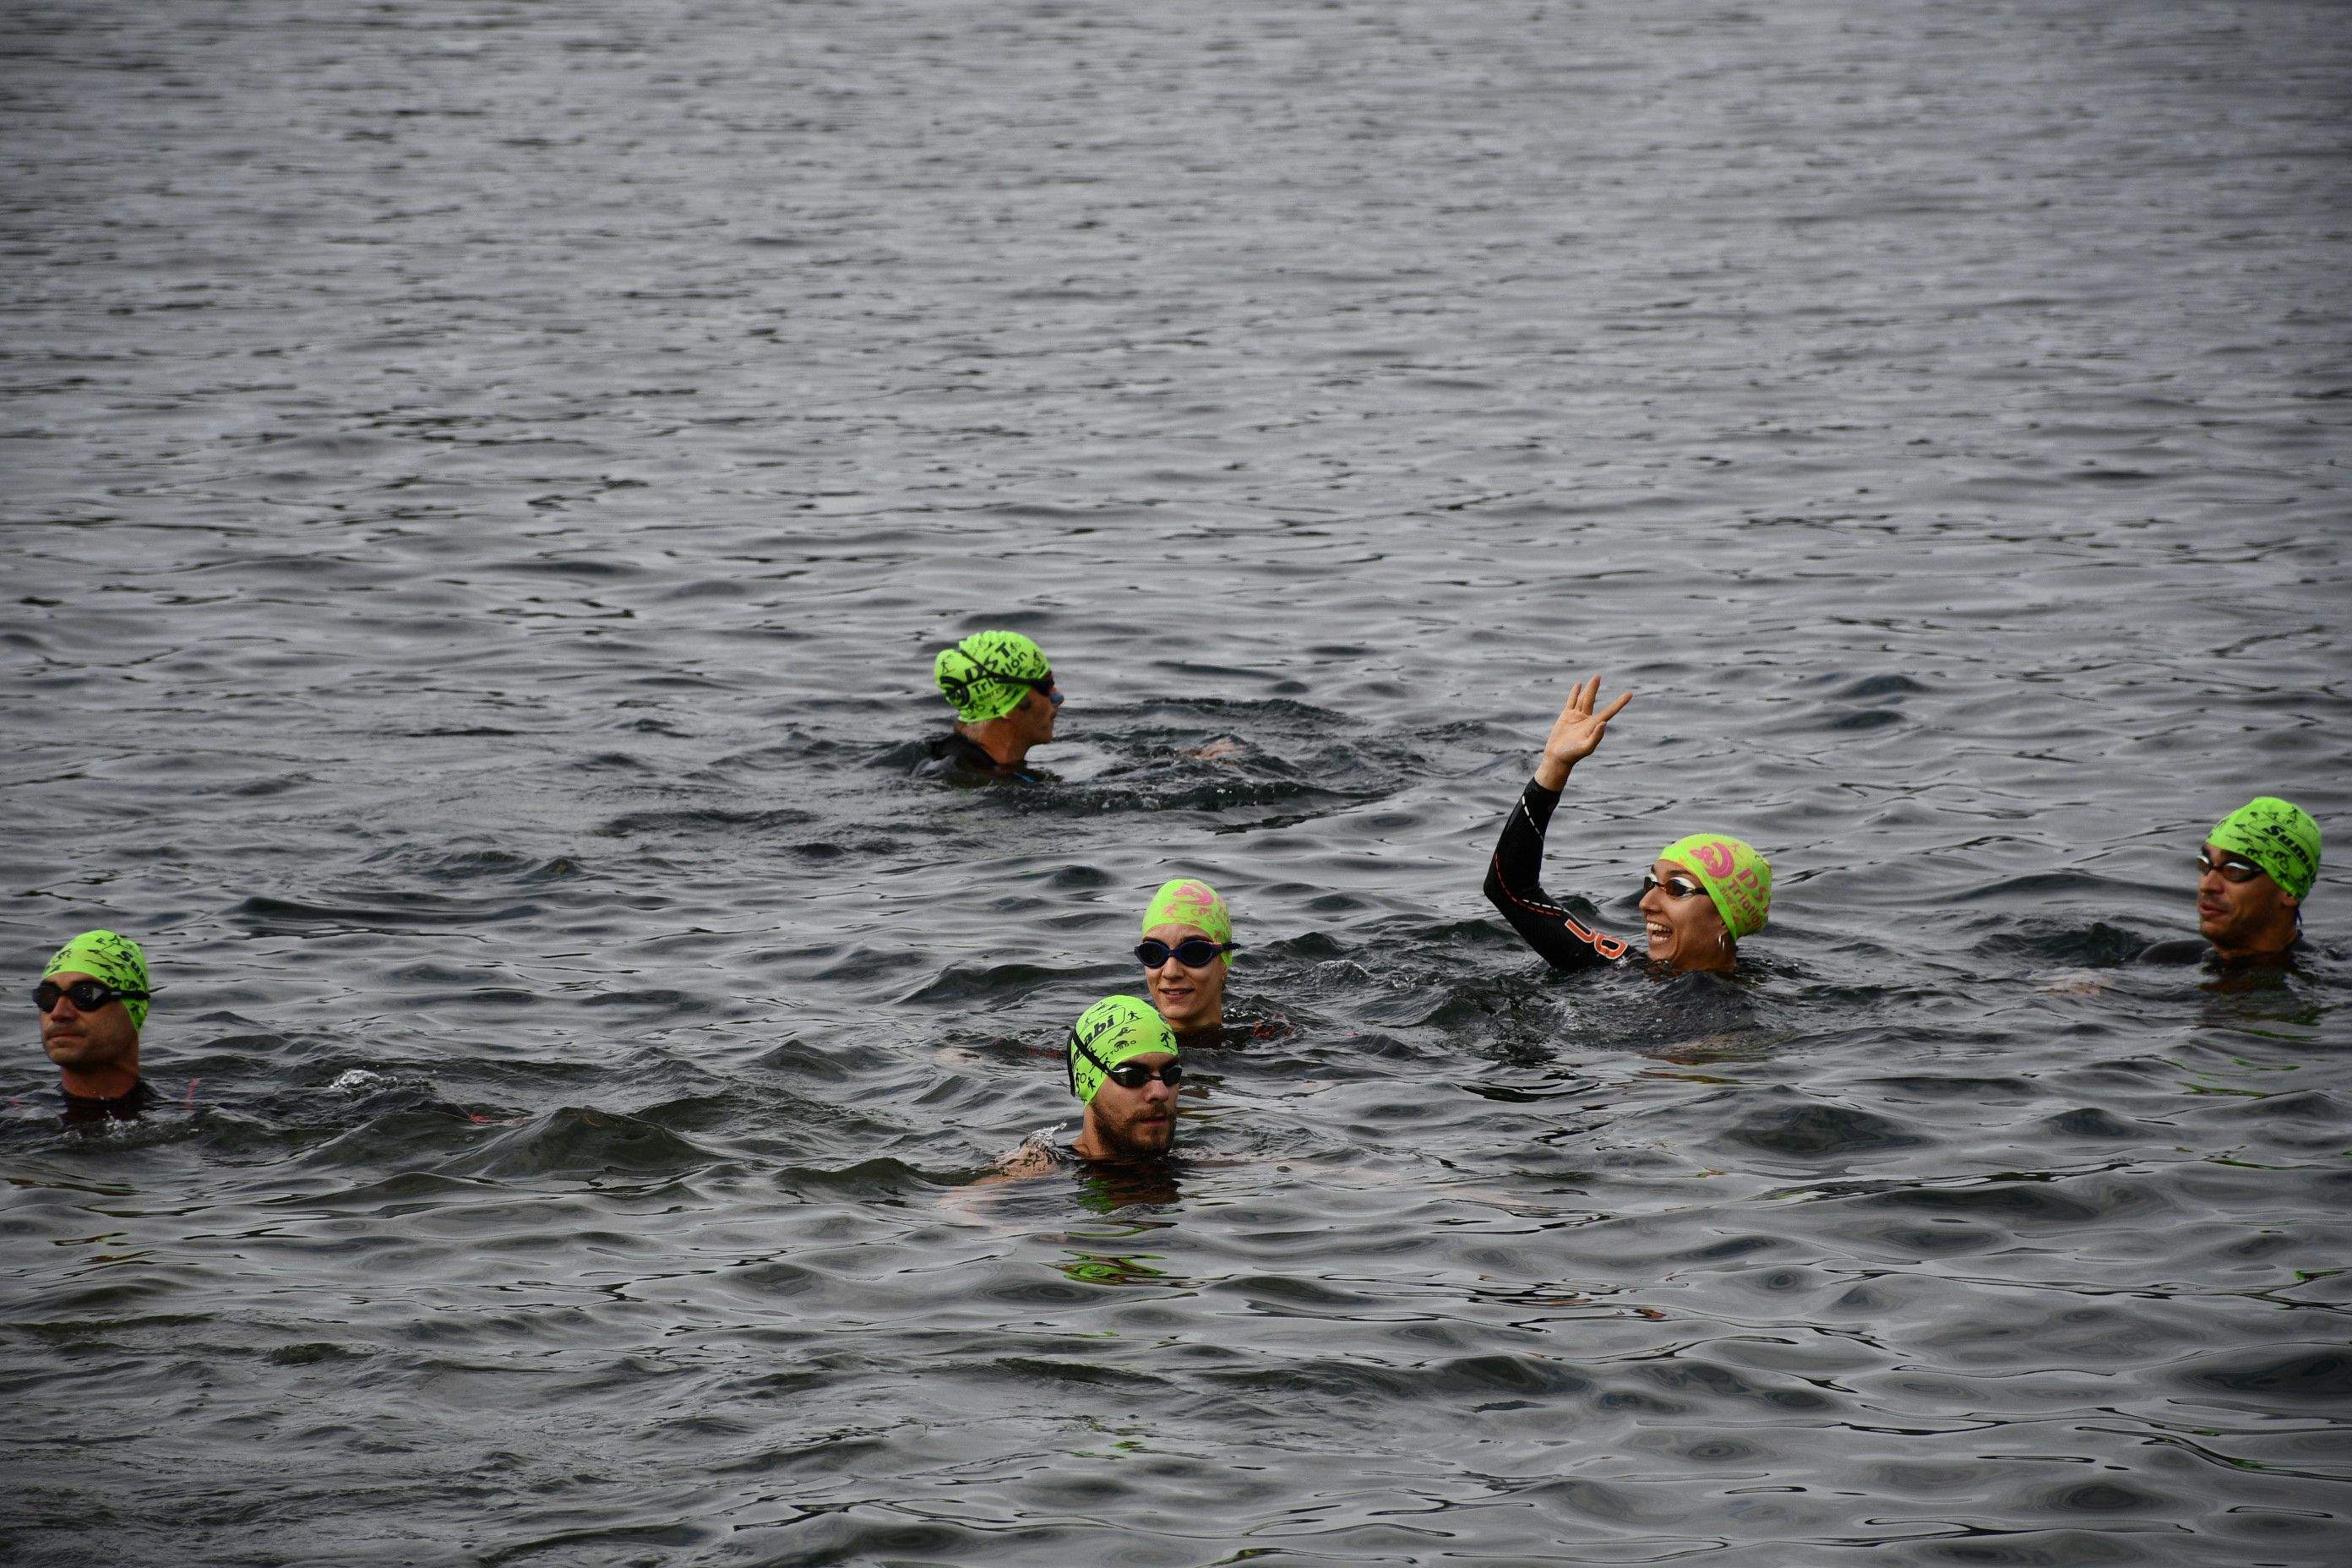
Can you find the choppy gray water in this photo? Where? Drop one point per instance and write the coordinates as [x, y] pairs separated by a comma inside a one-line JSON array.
[[483, 486]]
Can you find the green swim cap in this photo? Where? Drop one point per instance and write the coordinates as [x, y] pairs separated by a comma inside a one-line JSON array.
[[103, 955], [1737, 878], [2275, 835], [1107, 1034], [1188, 902], [984, 677]]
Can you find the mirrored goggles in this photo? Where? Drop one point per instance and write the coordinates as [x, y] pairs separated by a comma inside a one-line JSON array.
[[1676, 886], [2230, 867]]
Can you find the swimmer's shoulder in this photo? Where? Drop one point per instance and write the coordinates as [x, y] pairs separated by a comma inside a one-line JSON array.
[[1041, 1153], [1236, 1034]]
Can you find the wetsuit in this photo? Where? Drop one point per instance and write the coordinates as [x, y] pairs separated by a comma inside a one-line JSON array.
[[957, 757], [1515, 886], [124, 1107], [2183, 950]]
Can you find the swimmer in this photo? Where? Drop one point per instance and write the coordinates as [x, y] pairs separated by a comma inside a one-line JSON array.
[[93, 1003], [1123, 1069], [1701, 896], [1186, 946], [1002, 688], [2254, 872]]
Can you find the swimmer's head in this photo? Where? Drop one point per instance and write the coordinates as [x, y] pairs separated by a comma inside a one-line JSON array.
[[1738, 881], [106, 957], [1107, 1034], [2276, 835], [986, 675], [1183, 927]]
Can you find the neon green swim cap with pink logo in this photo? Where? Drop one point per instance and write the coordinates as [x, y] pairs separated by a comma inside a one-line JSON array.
[[1189, 902], [1737, 879]]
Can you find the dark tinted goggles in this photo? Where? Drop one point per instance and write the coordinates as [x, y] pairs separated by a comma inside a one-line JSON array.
[[87, 995], [2232, 868], [1135, 1074], [1126, 1074], [1192, 953], [1676, 886]]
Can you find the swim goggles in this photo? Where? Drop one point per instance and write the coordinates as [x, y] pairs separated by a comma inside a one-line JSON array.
[[1676, 886], [2232, 868], [87, 995], [1192, 953], [1126, 1074]]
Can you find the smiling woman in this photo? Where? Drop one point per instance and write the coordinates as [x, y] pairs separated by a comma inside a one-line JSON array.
[[1684, 930], [1186, 951]]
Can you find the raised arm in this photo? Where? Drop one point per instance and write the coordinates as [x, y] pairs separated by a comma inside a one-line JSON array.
[[1514, 872]]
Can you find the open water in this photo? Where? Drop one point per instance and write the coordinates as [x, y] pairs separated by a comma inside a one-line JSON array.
[[483, 486]]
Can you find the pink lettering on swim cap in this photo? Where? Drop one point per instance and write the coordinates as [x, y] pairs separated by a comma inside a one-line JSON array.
[[1715, 859]]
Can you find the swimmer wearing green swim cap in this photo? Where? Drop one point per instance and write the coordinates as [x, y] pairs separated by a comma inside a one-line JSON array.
[[93, 999], [1186, 948], [1123, 1069], [2254, 872], [1703, 893], [1001, 688]]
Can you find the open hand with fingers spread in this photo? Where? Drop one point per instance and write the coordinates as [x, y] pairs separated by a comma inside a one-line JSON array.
[[1704, 891], [1576, 732]]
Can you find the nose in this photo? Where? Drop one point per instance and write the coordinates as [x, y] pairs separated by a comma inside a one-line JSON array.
[[1654, 901], [2209, 878], [1157, 1091]]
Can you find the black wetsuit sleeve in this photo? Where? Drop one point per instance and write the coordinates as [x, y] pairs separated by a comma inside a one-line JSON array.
[[1515, 886]]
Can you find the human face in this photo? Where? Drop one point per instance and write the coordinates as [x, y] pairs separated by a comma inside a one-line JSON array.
[[1040, 706], [1190, 999], [1684, 928], [1132, 1123], [98, 1047], [2241, 917]]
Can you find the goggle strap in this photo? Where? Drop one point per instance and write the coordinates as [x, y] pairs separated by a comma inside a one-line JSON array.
[[111, 993], [1082, 1050], [960, 684]]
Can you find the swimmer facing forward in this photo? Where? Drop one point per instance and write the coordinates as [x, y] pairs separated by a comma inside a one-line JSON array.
[[1123, 1069], [1186, 948], [94, 1002], [1701, 896]]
